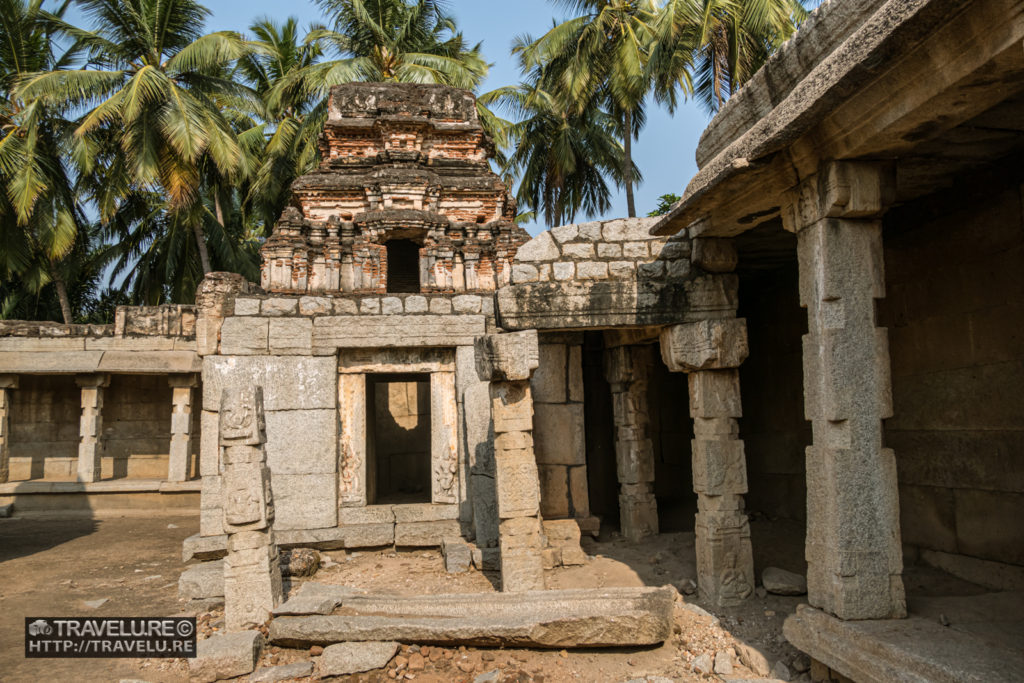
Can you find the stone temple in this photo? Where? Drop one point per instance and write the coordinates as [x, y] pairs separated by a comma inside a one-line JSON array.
[[826, 329]]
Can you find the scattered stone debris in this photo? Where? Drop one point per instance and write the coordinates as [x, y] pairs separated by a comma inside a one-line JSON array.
[[350, 658], [284, 672], [753, 659], [723, 663], [226, 656], [703, 664], [781, 671], [781, 582], [95, 604]]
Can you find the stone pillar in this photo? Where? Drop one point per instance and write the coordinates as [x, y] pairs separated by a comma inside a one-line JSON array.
[[507, 361], [627, 369], [181, 426], [7, 383], [853, 548], [252, 574], [710, 351], [90, 429]]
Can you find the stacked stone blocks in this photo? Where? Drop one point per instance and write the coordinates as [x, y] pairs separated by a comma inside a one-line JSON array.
[[252, 574], [853, 535], [508, 361]]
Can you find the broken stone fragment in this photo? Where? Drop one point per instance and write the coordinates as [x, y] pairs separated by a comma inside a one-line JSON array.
[[226, 656], [285, 672], [782, 582], [350, 658], [300, 562]]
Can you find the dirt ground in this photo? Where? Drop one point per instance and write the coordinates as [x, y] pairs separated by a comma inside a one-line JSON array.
[[52, 567]]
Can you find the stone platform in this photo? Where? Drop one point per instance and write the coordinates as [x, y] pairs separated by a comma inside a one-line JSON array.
[[983, 642]]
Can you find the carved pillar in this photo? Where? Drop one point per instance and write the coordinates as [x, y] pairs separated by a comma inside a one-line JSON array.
[[710, 351], [507, 361], [853, 548], [179, 462], [252, 574], [90, 430], [7, 383], [627, 369]]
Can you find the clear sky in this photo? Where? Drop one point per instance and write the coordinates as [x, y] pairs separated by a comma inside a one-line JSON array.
[[664, 152]]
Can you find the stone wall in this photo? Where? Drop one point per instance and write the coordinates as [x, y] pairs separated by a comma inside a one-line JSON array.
[[295, 347], [44, 428], [773, 425], [955, 312], [558, 427], [607, 274]]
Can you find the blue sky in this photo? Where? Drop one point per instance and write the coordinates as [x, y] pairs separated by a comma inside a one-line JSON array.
[[664, 153]]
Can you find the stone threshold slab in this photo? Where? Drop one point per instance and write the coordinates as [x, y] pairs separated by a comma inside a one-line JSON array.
[[608, 617], [912, 650], [111, 486]]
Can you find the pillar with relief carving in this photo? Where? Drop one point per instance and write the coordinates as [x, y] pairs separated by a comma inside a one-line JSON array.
[[90, 442]]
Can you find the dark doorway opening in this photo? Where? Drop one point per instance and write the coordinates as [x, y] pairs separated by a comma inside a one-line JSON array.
[[403, 266], [398, 438]]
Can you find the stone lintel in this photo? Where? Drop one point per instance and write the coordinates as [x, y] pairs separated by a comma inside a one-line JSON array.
[[188, 380], [93, 381]]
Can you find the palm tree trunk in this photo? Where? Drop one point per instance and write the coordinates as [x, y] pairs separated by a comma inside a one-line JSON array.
[[62, 293], [627, 161], [204, 255]]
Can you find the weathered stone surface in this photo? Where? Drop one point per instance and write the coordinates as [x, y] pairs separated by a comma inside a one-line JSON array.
[[307, 604], [202, 581], [302, 441], [714, 255], [782, 582], [290, 336], [705, 345], [608, 617], [368, 330], [244, 336], [883, 650], [752, 658], [558, 432], [540, 248], [349, 658], [457, 555], [225, 656], [305, 501], [517, 484], [425, 534], [507, 357], [289, 383], [284, 672], [424, 512]]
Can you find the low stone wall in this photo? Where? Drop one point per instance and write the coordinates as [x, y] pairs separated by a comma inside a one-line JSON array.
[[612, 274]]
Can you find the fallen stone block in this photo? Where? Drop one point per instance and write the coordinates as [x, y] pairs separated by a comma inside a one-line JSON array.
[[285, 672], [457, 555], [309, 604], [350, 658], [225, 656], [198, 547], [202, 581], [781, 582], [609, 617]]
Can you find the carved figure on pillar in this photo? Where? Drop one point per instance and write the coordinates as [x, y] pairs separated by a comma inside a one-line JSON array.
[[252, 574]]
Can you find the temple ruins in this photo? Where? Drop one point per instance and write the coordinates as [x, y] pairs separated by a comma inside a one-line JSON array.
[[826, 329]]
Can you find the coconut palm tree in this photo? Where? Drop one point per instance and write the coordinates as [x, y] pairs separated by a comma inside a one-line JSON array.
[[720, 43], [40, 222], [563, 159], [292, 117], [155, 88], [599, 56], [411, 41]]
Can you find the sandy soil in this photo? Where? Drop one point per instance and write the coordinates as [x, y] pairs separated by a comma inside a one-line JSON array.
[[50, 567]]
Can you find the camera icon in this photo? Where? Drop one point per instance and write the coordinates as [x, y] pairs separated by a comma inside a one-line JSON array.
[[40, 627]]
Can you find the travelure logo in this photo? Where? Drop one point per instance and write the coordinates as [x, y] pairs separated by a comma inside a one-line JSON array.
[[40, 627]]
